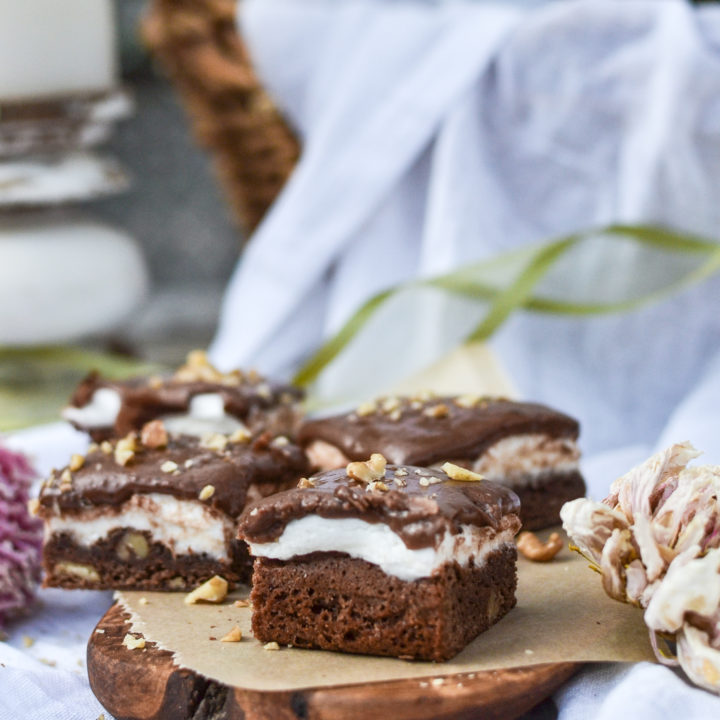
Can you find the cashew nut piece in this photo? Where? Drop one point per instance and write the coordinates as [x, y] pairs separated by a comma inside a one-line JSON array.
[[531, 547]]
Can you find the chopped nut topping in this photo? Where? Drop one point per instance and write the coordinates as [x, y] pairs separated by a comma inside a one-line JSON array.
[[125, 449], [169, 466], [377, 485], [66, 477], [264, 391], [437, 411], [271, 646], [401, 472], [214, 590], [415, 404], [198, 368], [214, 441], [188, 463], [144, 601], [389, 404], [424, 396], [76, 462], [235, 635], [395, 415], [154, 434], [241, 435], [306, 482], [123, 457], [242, 603], [133, 643], [65, 487], [33, 506], [372, 469], [280, 441], [93, 447], [366, 408], [533, 549], [456, 472], [424, 482], [400, 482], [106, 447], [207, 492], [467, 401]]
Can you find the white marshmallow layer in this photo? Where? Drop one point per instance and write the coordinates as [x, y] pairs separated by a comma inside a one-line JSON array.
[[206, 414], [376, 543], [184, 526]]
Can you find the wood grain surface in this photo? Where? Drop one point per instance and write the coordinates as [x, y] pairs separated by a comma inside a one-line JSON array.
[[147, 685]]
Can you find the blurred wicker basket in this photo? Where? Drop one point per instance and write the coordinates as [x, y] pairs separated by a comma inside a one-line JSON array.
[[254, 150]]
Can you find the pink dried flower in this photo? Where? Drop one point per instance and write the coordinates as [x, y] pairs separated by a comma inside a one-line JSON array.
[[20, 537]]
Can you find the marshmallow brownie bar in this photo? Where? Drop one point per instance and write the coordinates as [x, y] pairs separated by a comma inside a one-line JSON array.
[[384, 560], [158, 512], [196, 400], [527, 447]]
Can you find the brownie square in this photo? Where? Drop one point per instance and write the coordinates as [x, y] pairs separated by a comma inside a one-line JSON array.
[[529, 447], [382, 559], [158, 512], [195, 400]]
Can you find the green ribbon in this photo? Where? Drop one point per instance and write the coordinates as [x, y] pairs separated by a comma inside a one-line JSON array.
[[35, 383], [526, 268]]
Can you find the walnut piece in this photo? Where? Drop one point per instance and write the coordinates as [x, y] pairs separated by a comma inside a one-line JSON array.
[[437, 411], [133, 643], [84, 572], [235, 635], [214, 591], [214, 441], [132, 543], [154, 435], [368, 471], [125, 449], [169, 466], [76, 462], [304, 482], [456, 472], [366, 408], [534, 549], [207, 492], [241, 435]]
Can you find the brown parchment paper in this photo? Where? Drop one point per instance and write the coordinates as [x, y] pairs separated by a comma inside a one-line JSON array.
[[562, 615]]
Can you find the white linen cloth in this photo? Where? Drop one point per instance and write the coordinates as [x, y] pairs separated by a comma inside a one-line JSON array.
[[438, 133]]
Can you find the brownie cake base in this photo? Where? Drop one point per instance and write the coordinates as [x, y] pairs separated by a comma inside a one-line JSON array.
[[333, 602], [540, 503], [127, 560]]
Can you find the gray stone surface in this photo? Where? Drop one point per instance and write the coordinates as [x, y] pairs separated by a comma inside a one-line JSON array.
[[174, 207]]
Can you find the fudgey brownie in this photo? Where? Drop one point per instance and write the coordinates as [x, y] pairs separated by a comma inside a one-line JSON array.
[[196, 400], [530, 448], [158, 512], [384, 560]]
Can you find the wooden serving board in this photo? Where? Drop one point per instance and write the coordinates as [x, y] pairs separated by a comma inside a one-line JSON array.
[[148, 685]]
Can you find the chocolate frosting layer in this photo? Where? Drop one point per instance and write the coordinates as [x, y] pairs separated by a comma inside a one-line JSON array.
[[144, 399], [102, 481], [419, 514], [410, 432]]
